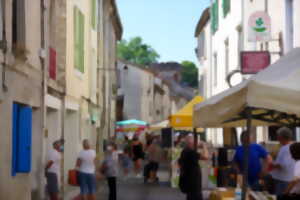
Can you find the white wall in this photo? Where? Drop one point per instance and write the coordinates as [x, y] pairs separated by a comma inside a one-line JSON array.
[[231, 33]]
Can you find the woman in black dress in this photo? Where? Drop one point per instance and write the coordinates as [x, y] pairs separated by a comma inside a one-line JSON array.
[[137, 155]]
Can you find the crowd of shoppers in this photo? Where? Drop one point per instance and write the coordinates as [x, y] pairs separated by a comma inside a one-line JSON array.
[[283, 171]]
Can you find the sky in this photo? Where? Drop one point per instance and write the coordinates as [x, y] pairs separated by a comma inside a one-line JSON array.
[[166, 25]]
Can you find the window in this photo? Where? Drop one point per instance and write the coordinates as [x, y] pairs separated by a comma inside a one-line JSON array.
[[18, 23], [78, 40], [215, 16], [215, 69], [21, 146], [202, 45], [1, 20], [289, 20], [226, 7], [226, 57], [94, 14]]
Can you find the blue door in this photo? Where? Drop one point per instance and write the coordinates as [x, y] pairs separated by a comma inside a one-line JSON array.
[[22, 133]]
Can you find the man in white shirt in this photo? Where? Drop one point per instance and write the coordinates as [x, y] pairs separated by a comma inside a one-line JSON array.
[[293, 189], [52, 170], [86, 165], [283, 167]]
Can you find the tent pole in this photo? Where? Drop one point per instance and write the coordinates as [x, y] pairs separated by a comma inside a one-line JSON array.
[[195, 138], [246, 154]]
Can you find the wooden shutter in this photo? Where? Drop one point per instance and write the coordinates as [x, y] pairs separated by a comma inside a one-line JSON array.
[[226, 7], [81, 32], [215, 16], [52, 63], [78, 40], [93, 14]]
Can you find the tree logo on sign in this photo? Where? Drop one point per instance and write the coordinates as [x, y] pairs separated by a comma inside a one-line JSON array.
[[259, 27]]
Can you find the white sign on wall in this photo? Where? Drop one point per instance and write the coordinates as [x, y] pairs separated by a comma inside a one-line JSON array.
[[259, 27]]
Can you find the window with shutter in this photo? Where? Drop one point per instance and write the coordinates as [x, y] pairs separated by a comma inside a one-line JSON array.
[[226, 7], [18, 24], [22, 133], [78, 40], [52, 63], [215, 16], [94, 14]]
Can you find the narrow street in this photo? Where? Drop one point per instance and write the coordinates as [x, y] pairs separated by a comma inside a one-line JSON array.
[[136, 190]]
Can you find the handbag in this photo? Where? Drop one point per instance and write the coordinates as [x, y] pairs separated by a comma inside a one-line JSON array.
[[73, 177]]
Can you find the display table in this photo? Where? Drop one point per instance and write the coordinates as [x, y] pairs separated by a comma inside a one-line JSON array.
[[229, 194], [222, 194]]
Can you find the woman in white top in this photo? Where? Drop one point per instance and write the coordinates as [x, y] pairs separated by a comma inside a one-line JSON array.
[[293, 189], [86, 165]]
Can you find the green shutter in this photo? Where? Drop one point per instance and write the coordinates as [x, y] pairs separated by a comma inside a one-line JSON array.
[[226, 7], [93, 13], [78, 40], [81, 42], [215, 16]]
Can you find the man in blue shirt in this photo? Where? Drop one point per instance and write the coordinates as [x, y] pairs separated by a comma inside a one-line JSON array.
[[256, 154]]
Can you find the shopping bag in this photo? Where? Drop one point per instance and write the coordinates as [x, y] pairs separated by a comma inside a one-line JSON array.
[[73, 177]]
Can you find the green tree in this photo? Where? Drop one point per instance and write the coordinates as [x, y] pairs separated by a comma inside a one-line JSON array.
[[189, 74], [137, 52]]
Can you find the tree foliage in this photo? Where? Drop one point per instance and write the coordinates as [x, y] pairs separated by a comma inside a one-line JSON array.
[[189, 74], [137, 52]]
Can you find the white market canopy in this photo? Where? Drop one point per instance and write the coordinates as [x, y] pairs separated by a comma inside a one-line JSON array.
[[273, 95]]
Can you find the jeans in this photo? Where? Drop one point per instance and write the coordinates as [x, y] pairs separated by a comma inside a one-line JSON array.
[[87, 183], [280, 186], [112, 185]]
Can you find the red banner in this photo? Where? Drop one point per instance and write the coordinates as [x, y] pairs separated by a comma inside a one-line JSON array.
[[254, 61]]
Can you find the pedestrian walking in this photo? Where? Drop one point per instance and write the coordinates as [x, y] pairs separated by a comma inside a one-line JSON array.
[[154, 157], [125, 162], [190, 179], [256, 154], [293, 189], [283, 167], [109, 168], [138, 155], [86, 165], [52, 170]]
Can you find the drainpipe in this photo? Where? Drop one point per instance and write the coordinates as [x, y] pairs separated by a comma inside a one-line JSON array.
[[267, 11], [44, 65], [3, 46]]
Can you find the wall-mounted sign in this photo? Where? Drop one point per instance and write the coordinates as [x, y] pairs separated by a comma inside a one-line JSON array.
[[259, 27], [254, 61]]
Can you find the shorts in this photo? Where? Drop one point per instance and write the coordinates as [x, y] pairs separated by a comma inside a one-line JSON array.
[[126, 162], [153, 166], [87, 183], [52, 183]]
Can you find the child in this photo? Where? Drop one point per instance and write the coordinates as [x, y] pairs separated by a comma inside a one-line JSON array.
[[110, 169]]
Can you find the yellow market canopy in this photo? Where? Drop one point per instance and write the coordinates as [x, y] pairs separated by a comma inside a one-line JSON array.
[[184, 117]]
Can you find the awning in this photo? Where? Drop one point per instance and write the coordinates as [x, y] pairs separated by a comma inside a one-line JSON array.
[[273, 95], [159, 126], [184, 117], [131, 122]]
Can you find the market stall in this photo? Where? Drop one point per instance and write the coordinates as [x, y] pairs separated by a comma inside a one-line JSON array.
[[270, 97]]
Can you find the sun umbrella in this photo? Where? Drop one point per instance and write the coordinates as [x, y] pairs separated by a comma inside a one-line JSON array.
[[131, 122]]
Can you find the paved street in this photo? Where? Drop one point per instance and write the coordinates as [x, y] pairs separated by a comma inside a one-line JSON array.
[[136, 190]]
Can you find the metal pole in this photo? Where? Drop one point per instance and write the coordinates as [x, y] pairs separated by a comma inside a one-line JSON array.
[[195, 138], [246, 154]]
